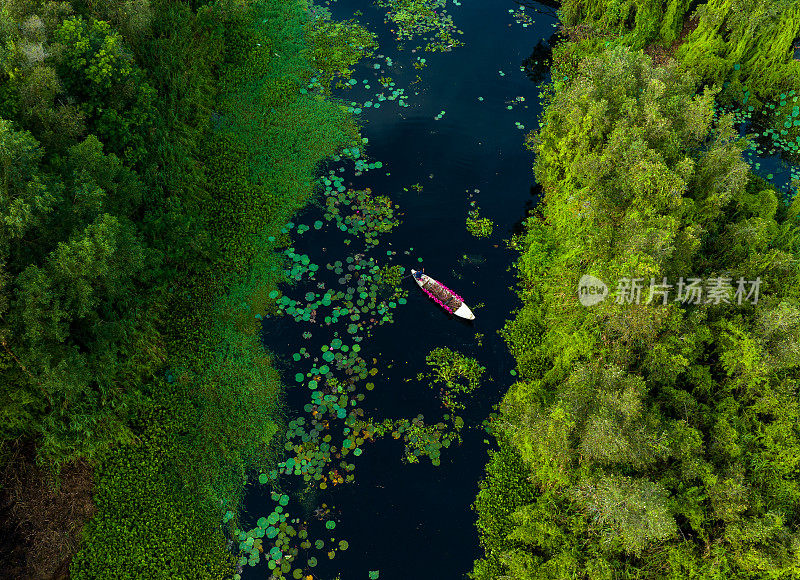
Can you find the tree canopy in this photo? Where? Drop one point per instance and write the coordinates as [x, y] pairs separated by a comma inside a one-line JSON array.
[[658, 439], [150, 153]]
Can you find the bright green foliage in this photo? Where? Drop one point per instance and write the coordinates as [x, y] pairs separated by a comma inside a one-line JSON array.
[[629, 512], [636, 22], [480, 227], [422, 17], [744, 46], [456, 374], [757, 35], [660, 440]]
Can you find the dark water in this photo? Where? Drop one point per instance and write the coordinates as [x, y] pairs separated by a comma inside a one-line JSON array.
[[416, 520], [769, 160]]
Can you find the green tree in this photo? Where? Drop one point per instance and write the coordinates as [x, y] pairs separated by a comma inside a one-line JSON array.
[[25, 198], [664, 428]]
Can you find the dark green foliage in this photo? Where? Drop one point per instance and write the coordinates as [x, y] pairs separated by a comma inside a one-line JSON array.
[[95, 68], [26, 198], [148, 150], [74, 327], [659, 440]]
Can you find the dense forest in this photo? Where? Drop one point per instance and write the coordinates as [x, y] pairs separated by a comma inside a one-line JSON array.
[[653, 440], [150, 152]]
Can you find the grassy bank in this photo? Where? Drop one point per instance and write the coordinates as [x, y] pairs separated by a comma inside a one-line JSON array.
[[151, 153], [647, 440]]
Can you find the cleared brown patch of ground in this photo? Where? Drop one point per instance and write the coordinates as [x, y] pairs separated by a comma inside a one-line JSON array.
[[40, 525], [662, 54]]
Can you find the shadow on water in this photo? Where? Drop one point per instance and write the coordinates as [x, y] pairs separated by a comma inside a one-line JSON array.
[[530, 207]]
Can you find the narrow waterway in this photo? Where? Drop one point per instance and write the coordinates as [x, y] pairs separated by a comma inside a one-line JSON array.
[[457, 146], [416, 519]]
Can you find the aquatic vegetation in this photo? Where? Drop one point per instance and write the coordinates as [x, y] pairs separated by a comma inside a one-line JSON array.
[[521, 16], [480, 227], [421, 439], [359, 212], [454, 374], [415, 18], [390, 275], [336, 45]]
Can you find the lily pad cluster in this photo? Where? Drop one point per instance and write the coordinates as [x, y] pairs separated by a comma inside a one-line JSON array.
[[358, 212], [417, 18], [522, 17], [774, 123], [279, 540], [374, 101], [276, 549]]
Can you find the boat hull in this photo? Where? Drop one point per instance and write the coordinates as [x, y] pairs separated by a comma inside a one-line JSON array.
[[463, 311]]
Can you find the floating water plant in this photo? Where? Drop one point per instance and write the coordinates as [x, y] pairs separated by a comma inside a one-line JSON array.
[[345, 298], [414, 18], [478, 226], [453, 373]]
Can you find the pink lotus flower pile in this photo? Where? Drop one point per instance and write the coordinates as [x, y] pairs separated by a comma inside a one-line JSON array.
[[439, 302]]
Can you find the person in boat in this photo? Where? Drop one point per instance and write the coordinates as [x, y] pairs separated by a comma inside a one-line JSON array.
[[418, 274]]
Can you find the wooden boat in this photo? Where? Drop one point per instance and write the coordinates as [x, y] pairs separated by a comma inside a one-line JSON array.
[[442, 295]]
